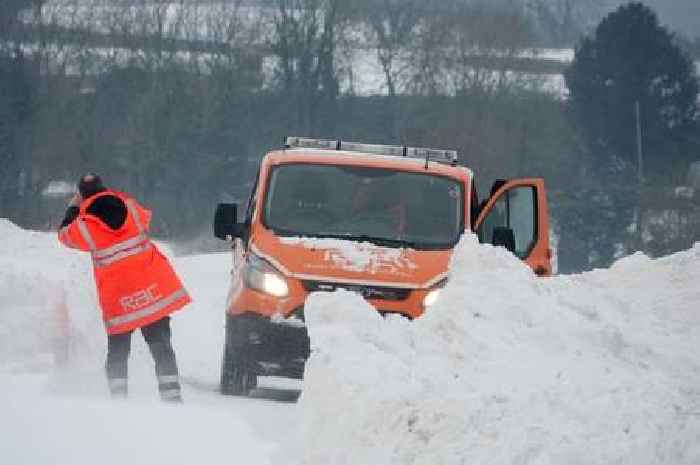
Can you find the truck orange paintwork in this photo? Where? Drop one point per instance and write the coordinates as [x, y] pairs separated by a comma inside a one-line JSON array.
[[378, 220]]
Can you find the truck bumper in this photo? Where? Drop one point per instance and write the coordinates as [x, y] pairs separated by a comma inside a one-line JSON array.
[[268, 347]]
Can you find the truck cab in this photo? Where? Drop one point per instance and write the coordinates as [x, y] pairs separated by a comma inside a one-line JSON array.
[[378, 220]]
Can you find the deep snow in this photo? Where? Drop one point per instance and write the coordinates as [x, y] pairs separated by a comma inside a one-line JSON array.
[[54, 406], [506, 368]]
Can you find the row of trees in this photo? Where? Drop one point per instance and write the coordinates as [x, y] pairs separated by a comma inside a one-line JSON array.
[[177, 101], [634, 95], [631, 104]]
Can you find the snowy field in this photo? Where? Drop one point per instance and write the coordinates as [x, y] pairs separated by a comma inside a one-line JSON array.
[[598, 368], [358, 67]]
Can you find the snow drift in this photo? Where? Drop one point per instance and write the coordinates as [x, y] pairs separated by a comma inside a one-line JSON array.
[[47, 301], [508, 368], [49, 430], [54, 406]]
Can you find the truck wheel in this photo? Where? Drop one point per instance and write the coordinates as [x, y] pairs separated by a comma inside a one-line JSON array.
[[236, 378]]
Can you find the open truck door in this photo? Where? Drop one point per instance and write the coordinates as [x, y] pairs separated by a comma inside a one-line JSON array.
[[515, 216]]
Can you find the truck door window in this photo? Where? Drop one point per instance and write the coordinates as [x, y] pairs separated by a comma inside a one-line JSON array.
[[250, 210], [515, 209], [252, 201]]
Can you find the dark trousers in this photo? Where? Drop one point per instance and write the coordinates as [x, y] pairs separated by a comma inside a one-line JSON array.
[[157, 336]]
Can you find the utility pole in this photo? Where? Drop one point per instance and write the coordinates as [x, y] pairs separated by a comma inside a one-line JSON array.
[[640, 165], [640, 160]]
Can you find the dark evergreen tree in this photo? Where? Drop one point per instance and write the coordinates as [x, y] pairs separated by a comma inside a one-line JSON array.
[[16, 94], [9, 10], [631, 58]]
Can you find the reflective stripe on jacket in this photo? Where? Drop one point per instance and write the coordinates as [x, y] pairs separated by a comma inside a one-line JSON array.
[[136, 284]]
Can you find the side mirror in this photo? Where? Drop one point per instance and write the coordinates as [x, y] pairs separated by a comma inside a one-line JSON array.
[[225, 225], [504, 237]]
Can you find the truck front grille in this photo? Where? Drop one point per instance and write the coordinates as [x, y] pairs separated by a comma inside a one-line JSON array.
[[368, 292]]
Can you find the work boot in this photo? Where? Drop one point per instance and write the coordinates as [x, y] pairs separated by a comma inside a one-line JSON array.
[[118, 388], [157, 336], [172, 398], [169, 389], [117, 364]]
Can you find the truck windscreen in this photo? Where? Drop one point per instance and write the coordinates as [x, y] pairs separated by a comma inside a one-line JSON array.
[[387, 207]]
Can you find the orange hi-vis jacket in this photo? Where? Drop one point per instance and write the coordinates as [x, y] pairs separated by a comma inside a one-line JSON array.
[[136, 284]]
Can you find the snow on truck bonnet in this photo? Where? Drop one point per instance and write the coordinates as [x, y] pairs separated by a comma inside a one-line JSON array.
[[354, 256], [508, 368]]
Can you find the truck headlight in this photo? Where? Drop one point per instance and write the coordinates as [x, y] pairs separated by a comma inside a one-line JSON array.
[[431, 297], [434, 294], [263, 277]]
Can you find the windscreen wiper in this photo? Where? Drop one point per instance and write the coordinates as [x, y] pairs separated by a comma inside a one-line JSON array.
[[380, 241]]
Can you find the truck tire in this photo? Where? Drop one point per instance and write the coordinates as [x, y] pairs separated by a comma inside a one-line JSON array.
[[236, 378]]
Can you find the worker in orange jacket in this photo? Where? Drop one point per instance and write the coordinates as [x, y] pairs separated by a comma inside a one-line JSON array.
[[136, 285]]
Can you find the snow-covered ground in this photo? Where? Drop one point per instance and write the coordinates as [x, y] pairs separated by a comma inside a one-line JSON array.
[[54, 406], [507, 368]]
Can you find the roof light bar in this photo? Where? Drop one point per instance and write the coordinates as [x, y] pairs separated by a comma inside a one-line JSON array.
[[442, 156]]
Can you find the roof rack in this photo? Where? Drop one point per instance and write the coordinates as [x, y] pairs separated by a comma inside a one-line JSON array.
[[449, 157]]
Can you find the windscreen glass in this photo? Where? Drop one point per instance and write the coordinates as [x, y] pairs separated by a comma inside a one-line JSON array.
[[387, 207]]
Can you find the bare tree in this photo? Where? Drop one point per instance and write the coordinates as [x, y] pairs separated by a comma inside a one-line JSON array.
[[487, 39], [392, 26], [430, 50], [304, 43], [233, 33], [563, 21], [10, 26]]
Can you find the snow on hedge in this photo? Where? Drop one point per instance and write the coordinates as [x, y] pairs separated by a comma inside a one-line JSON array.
[[508, 368]]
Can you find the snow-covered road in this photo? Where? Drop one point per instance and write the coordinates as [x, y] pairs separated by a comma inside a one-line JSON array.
[[507, 368], [52, 408]]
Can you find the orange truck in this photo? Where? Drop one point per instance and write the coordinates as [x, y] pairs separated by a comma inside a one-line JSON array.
[[378, 220]]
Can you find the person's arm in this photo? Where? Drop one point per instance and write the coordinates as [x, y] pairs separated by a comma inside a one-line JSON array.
[[72, 211], [68, 233], [71, 215]]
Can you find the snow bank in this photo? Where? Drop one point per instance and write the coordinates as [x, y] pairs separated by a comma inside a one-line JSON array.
[[54, 405], [48, 306], [50, 320], [508, 368]]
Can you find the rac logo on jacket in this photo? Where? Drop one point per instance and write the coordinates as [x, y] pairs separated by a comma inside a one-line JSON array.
[[140, 299]]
